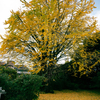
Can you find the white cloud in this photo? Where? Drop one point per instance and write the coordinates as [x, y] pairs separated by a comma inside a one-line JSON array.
[[5, 7]]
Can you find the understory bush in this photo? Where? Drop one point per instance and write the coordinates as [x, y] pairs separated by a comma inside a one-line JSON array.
[[95, 82], [26, 87], [64, 81], [11, 72], [23, 87], [4, 80], [62, 78], [6, 77]]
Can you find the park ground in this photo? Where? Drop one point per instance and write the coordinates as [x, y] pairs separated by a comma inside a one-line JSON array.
[[71, 95]]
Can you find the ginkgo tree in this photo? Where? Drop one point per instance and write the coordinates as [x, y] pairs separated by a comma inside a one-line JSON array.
[[45, 30]]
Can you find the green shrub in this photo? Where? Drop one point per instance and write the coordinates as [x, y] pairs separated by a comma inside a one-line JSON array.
[[11, 72], [95, 82], [6, 77], [5, 83], [4, 80], [25, 87]]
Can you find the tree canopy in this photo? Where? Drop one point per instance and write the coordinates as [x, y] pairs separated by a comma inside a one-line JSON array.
[[45, 30]]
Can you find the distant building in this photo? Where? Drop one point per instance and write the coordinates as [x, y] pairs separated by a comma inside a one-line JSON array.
[[10, 64], [19, 68], [22, 69]]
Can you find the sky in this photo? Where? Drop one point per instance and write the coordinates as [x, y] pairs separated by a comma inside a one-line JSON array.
[[96, 11], [7, 5]]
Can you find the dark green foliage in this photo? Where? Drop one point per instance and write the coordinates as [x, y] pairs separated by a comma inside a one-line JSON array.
[[61, 79], [95, 81], [6, 77], [24, 87], [4, 80], [6, 84], [11, 72]]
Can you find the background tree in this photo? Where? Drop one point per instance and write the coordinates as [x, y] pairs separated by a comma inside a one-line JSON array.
[[87, 57], [43, 32]]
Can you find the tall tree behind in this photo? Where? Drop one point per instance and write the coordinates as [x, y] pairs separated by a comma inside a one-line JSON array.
[[87, 57], [45, 30]]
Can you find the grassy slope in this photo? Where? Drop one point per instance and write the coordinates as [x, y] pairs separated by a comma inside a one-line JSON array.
[[71, 95]]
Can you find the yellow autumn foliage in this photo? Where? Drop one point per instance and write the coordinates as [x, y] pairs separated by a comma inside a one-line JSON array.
[[87, 56], [46, 29]]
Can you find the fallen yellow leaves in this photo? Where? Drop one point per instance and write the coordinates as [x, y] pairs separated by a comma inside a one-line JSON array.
[[70, 95]]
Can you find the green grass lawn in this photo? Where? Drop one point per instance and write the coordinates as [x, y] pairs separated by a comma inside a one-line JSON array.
[[71, 95]]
